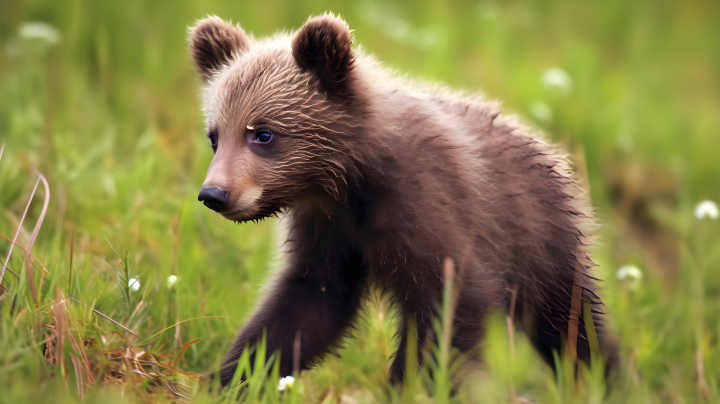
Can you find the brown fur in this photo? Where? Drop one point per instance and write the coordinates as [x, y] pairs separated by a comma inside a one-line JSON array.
[[323, 47], [378, 181], [215, 43]]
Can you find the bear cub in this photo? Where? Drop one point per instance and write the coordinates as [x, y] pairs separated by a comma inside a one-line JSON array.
[[379, 182]]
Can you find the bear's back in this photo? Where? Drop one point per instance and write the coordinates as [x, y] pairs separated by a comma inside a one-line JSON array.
[[464, 177]]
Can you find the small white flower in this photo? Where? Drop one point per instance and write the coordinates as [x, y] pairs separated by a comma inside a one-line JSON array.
[[171, 281], [541, 111], [557, 78], [39, 30], [629, 272], [286, 381], [707, 210], [134, 284]]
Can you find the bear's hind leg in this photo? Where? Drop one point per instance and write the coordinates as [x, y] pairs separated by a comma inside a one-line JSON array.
[[423, 327], [549, 336]]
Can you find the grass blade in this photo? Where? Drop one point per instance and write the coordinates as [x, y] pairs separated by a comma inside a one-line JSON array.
[[184, 348], [17, 233], [33, 237], [157, 334], [107, 317]]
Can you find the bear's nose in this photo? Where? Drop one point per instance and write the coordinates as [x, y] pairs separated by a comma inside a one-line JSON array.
[[213, 198]]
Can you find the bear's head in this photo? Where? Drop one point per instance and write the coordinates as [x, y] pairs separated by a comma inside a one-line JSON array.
[[282, 115]]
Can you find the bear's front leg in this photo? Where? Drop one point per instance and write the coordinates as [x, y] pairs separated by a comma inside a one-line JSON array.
[[315, 298]]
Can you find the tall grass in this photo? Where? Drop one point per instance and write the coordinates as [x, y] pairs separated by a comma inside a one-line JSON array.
[[102, 101]]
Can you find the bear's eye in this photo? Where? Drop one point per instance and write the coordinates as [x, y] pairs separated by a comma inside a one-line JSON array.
[[213, 141], [262, 137]]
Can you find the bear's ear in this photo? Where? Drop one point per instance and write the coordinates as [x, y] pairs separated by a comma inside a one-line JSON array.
[[213, 42], [323, 46]]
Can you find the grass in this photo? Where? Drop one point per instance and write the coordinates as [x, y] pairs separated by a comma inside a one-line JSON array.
[[108, 112]]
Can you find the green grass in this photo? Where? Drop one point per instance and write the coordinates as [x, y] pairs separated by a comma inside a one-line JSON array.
[[110, 115]]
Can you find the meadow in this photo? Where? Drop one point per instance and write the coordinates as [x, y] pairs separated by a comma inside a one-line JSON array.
[[100, 99]]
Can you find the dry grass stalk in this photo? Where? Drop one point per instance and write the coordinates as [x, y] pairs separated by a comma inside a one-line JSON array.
[[108, 318], [25, 251], [12, 272], [511, 337], [61, 323], [451, 294], [136, 312], [453, 286], [575, 309], [77, 366], [449, 278], [329, 397], [33, 237], [70, 267], [180, 355], [509, 321], [62, 333], [17, 233], [700, 369]]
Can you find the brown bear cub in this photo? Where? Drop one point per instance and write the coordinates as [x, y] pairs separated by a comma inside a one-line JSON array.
[[379, 181]]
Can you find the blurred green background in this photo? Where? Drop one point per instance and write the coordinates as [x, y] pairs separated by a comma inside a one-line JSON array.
[[101, 98]]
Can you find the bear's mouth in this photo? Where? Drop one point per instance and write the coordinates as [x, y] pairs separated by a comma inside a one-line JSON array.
[[237, 215], [244, 215]]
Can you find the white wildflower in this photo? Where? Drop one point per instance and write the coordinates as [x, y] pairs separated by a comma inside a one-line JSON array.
[[541, 111], [41, 31], [286, 381], [630, 274], [134, 284], [557, 78], [172, 279], [707, 210]]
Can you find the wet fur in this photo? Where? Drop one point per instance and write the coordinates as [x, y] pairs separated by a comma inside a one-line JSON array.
[[379, 180]]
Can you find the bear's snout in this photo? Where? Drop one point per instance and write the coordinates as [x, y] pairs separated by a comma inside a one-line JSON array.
[[214, 198]]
